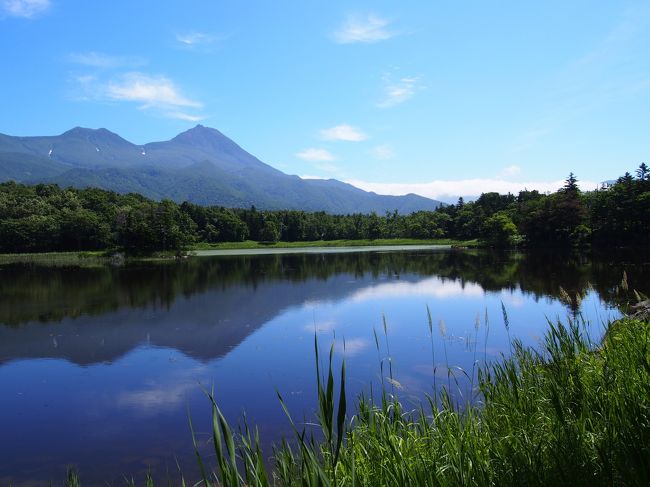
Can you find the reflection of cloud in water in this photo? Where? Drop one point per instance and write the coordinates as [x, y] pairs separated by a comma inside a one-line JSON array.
[[162, 396], [433, 287], [353, 346], [321, 327], [510, 299]]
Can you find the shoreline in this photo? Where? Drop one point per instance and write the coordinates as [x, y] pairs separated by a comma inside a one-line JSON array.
[[313, 250], [103, 257]]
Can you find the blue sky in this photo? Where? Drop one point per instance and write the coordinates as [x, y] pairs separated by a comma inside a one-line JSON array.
[[438, 98]]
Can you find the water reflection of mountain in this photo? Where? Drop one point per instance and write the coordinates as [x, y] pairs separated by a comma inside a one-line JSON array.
[[205, 307]]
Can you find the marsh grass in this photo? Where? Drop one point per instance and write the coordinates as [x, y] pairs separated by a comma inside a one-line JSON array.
[[571, 412], [84, 258], [251, 244], [58, 259]]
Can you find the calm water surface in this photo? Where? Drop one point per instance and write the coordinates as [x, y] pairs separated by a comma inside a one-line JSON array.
[[99, 366]]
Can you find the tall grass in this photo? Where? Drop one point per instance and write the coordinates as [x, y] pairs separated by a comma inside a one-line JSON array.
[[57, 259], [572, 412], [251, 244]]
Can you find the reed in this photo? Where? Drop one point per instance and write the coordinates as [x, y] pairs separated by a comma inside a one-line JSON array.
[[571, 412]]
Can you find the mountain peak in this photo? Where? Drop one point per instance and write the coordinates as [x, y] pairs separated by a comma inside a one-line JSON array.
[[210, 141], [77, 131], [87, 132], [199, 133]]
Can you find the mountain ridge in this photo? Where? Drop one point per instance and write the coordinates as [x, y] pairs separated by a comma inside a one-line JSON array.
[[200, 165]]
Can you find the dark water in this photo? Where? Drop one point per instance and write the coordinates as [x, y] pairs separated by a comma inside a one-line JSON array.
[[100, 366]]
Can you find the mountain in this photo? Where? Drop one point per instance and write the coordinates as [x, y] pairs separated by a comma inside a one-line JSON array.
[[200, 165]]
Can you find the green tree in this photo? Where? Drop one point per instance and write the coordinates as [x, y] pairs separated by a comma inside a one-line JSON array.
[[270, 231], [500, 231]]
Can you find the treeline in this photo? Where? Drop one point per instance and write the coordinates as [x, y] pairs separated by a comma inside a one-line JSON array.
[[47, 218]]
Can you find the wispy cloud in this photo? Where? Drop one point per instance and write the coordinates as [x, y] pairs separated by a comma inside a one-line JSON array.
[[24, 8], [163, 396], [312, 176], [445, 189], [612, 72], [194, 39], [399, 91], [383, 152], [150, 91], [352, 347], [322, 327], [366, 29], [316, 155], [187, 117], [95, 59], [343, 132], [433, 287]]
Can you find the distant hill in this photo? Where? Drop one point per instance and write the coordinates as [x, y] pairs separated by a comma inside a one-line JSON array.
[[200, 165]]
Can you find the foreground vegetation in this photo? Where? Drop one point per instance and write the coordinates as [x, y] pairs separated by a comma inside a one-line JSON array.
[[45, 218], [569, 413]]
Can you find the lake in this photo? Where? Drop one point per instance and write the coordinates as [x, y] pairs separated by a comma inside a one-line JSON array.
[[100, 366]]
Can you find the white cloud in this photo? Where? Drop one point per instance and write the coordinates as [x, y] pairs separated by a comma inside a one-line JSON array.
[[343, 132], [352, 347], [164, 395], [99, 60], [156, 93], [195, 38], [367, 29], [151, 91], [383, 152], [399, 92], [185, 116], [513, 299], [311, 176], [433, 287], [441, 189], [85, 87], [24, 8], [315, 154], [323, 327], [85, 79], [154, 399]]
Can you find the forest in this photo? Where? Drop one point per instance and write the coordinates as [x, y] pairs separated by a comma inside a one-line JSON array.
[[45, 217]]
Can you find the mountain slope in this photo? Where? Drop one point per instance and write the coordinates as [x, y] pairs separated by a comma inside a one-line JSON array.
[[200, 165], [18, 166]]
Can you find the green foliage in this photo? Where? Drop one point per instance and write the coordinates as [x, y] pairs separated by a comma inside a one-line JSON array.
[[500, 231], [620, 213], [569, 413], [47, 218], [270, 230]]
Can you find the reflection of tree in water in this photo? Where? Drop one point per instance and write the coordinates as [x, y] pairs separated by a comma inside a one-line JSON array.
[[46, 294]]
